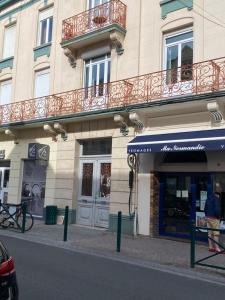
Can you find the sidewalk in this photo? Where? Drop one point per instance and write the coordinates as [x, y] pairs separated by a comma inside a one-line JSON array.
[[139, 250]]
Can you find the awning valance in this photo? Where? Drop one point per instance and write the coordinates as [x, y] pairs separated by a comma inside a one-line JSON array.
[[205, 140]]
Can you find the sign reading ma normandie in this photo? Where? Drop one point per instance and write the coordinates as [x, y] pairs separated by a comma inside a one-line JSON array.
[[38, 151]]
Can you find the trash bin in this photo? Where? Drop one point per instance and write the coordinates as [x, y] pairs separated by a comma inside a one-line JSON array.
[[51, 215]]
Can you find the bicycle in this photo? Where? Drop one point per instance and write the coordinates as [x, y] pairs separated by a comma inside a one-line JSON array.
[[13, 215]]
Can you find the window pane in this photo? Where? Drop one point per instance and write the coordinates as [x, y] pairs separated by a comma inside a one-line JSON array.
[[172, 64], [105, 182], [9, 41], [186, 61], [42, 84], [87, 179], [101, 79], [43, 32], [5, 92], [6, 179], [97, 147], [109, 69], [180, 37], [50, 22]]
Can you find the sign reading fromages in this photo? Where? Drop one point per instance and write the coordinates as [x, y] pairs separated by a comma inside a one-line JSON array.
[[38, 151]]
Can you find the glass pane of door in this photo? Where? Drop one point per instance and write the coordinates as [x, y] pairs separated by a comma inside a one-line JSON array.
[[105, 180], [177, 204], [87, 179], [186, 61], [172, 64]]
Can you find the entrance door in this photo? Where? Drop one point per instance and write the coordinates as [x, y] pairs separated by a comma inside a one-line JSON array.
[[93, 202], [4, 182], [182, 198]]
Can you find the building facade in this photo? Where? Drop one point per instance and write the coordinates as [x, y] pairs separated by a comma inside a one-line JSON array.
[[110, 106]]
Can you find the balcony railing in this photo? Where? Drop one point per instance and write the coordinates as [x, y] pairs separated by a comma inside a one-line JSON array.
[[199, 78], [112, 12]]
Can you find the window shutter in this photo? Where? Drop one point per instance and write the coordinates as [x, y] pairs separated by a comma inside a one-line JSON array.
[[9, 41], [42, 84], [5, 92]]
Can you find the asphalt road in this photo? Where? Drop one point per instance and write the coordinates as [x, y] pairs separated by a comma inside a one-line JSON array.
[[50, 273]]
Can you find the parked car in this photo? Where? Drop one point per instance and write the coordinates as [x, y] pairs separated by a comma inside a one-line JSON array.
[[8, 281]]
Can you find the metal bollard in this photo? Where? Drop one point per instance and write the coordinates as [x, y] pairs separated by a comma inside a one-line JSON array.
[[119, 223], [192, 260], [66, 223], [24, 211]]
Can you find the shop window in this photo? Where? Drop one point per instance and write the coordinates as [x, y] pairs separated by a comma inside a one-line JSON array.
[[9, 41], [185, 157], [96, 147], [45, 26], [179, 57], [5, 92]]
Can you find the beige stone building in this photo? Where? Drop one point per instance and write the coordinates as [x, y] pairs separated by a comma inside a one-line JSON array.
[[85, 83]]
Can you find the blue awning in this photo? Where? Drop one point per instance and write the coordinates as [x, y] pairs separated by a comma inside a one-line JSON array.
[[205, 140]]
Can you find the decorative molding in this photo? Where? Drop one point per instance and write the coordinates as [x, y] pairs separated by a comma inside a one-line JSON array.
[[17, 9], [48, 128], [117, 41], [136, 120], [11, 133], [42, 50], [6, 63], [215, 111], [123, 125], [71, 57], [59, 128], [168, 6]]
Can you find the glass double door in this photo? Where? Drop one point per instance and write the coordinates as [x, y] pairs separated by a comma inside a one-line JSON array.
[[182, 198], [94, 195]]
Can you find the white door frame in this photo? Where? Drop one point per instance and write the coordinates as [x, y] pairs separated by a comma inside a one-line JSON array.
[[3, 189], [93, 210]]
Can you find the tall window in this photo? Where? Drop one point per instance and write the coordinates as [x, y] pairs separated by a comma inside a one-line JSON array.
[[9, 41], [179, 57], [5, 92], [97, 73], [41, 83], [45, 26]]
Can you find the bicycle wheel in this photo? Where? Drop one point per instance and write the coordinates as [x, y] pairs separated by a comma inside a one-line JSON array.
[[4, 219], [28, 223]]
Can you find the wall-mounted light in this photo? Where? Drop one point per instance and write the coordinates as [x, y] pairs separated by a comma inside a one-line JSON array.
[[123, 125]]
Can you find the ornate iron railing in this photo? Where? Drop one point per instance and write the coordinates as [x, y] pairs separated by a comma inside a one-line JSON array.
[[196, 79], [112, 12]]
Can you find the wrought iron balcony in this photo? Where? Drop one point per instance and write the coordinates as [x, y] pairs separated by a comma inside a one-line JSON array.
[[199, 78], [112, 12]]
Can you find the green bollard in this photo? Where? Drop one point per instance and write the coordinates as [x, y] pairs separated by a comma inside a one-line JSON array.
[[24, 210], [119, 223], [192, 262], [66, 223]]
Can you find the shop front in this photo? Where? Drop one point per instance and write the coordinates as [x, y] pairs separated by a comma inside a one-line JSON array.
[[188, 166]]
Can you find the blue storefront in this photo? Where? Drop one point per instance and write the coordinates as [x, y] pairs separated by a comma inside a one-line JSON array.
[[189, 167]]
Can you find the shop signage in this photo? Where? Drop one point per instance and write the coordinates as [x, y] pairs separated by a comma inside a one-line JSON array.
[[38, 151], [2, 154]]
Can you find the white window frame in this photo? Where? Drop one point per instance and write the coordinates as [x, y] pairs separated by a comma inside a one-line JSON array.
[[45, 14], [39, 73], [106, 59], [11, 44], [178, 43], [90, 6], [2, 83]]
